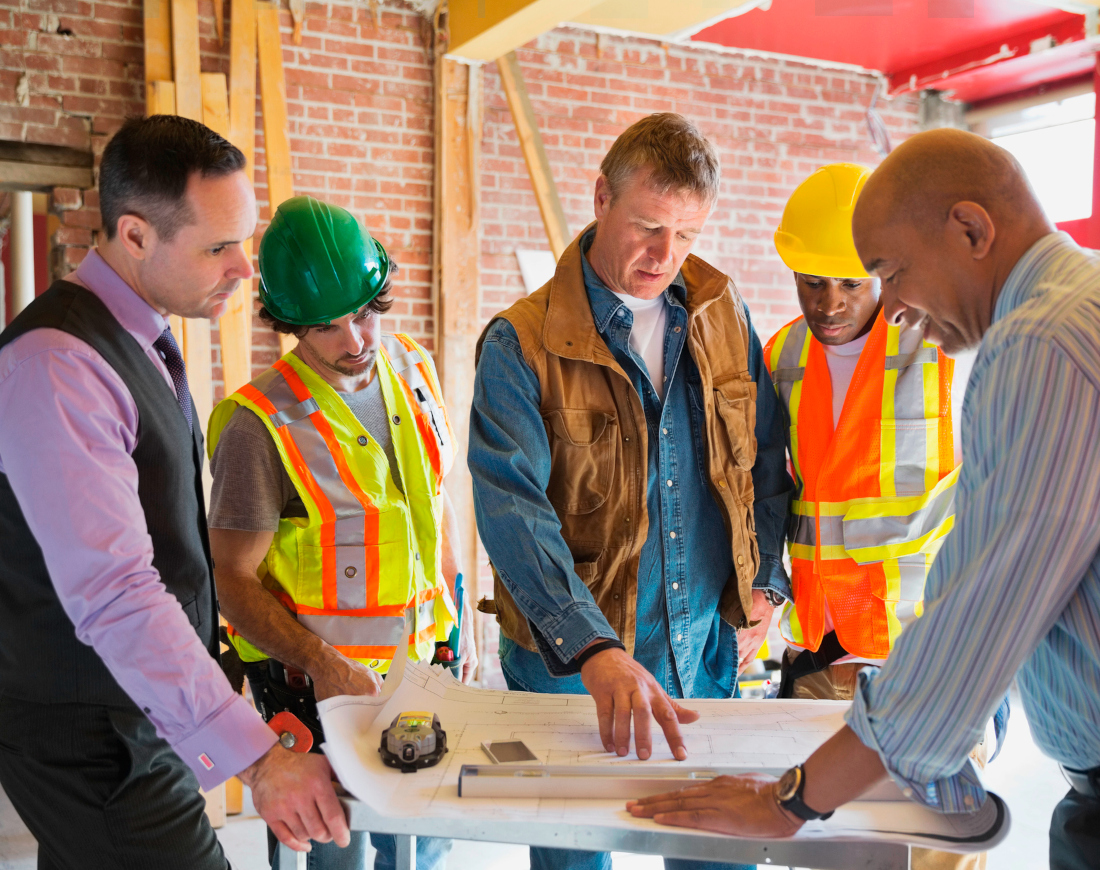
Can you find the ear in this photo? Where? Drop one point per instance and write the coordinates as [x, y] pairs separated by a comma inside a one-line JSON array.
[[972, 221], [602, 200], [136, 235]]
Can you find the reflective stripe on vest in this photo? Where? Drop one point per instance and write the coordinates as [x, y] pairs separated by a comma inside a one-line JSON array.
[[875, 498], [364, 569]]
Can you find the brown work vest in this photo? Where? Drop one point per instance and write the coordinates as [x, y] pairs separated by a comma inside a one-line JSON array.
[[598, 438]]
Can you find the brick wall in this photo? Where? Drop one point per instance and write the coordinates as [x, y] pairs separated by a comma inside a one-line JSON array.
[[359, 102], [773, 122], [360, 112]]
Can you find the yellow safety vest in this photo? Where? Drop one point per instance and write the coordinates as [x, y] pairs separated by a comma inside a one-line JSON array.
[[875, 498], [364, 567]]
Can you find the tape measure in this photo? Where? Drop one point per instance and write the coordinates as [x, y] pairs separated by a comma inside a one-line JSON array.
[[413, 740], [293, 734]]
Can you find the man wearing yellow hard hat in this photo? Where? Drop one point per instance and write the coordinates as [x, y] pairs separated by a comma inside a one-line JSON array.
[[872, 452]]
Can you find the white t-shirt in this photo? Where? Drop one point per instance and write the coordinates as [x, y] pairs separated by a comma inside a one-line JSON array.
[[647, 335]]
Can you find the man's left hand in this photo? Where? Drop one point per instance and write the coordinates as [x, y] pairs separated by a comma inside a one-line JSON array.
[[741, 805], [749, 640]]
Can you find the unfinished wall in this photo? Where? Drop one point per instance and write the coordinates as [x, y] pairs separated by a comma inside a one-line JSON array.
[[359, 101], [772, 121], [360, 108]]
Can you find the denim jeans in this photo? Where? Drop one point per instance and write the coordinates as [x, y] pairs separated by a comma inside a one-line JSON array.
[[431, 854]]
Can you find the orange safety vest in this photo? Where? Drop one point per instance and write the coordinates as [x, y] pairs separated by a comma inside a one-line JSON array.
[[363, 570], [875, 498]]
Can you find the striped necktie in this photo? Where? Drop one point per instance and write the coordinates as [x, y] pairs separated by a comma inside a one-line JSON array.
[[170, 352]]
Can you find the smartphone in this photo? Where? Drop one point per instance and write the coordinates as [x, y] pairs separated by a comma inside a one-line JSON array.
[[508, 751]]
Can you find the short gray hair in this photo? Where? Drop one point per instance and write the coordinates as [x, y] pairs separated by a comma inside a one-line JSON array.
[[674, 152]]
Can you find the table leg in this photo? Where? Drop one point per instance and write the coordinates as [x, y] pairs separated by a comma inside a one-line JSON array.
[[406, 851], [289, 859]]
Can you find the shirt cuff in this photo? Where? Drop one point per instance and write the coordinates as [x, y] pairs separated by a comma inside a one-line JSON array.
[[960, 793], [560, 639], [772, 576], [228, 742]]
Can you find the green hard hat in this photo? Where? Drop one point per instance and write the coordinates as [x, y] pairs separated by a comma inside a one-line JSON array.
[[317, 263]]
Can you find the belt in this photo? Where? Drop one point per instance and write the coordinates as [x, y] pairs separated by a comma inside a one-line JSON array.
[[1086, 782]]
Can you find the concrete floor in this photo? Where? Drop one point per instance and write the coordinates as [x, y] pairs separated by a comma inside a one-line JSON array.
[[1028, 781]]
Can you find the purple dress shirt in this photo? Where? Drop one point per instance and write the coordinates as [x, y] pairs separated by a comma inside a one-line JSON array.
[[68, 427]]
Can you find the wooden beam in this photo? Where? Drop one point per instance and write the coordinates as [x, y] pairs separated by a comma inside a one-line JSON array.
[[538, 166], [185, 58], [671, 20], [236, 323], [280, 183], [158, 46], [160, 98], [16, 175], [215, 103], [242, 79], [456, 282], [485, 31], [219, 20]]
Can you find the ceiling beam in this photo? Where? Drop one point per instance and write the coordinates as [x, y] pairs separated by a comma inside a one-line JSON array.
[[486, 31], [670, 20]]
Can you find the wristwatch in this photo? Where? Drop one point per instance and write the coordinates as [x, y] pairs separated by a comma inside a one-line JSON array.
[[775, 599], [788, 794]]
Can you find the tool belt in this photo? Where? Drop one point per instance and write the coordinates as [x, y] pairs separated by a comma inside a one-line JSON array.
[[276, 688], [1086, 782], [808, 662]]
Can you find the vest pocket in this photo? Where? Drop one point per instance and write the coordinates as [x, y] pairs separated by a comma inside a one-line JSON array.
[[583, 452], [735, 402]]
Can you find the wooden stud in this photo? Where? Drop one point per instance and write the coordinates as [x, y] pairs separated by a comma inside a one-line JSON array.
[[538, 166], [219, 20], [280, 183], [158, 48], [215, 103], [160, 98], [197, 359], [185, 58], [235, 325], [456, 281], [242, 79]]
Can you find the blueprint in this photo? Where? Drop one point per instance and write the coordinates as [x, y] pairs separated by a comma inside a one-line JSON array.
[[561, 730]]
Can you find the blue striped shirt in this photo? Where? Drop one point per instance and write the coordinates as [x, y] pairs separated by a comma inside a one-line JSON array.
[[1015, 590]]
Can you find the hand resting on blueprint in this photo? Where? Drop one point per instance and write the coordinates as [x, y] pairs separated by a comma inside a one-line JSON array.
[[839, 771], [624, 689]]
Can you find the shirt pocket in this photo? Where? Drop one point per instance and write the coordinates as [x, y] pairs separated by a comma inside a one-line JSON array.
[[584, 448], [735, 402]]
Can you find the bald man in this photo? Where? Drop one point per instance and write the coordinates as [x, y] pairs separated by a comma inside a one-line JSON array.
[[950, 225]]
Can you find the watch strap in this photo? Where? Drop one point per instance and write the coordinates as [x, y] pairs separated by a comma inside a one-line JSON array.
[[796, 806]]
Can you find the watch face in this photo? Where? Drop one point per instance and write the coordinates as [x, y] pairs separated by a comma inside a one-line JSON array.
[[788, 784]]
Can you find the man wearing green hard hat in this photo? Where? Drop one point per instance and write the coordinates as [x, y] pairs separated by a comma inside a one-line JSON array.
[[333, 538]]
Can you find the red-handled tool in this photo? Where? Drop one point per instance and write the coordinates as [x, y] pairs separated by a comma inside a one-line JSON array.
[[293, 735]]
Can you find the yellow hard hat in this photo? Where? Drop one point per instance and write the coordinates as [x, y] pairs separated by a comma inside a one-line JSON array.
[[815, 234]]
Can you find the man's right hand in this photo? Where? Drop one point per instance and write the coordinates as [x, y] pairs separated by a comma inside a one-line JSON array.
[[293, 793], [339, 675], [622, 689]]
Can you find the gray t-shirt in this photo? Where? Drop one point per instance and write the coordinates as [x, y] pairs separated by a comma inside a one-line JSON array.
[[252, 489]]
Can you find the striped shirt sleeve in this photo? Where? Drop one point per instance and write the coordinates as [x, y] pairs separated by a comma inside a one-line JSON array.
[[1025, 533]]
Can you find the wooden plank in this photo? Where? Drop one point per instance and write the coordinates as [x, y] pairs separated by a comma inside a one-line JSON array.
[[25, 176], [456, 264], [158, 45], [236, 324], [219, 20], [175, 323], [485, 31], [197, 359], [215, 103], [534, 153], [280, 183], [242, 78], [160, 98], [215, 805], [185, 58], [51, 155]]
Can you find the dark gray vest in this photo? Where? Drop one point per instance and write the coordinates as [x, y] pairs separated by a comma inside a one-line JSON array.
[[40, 658]]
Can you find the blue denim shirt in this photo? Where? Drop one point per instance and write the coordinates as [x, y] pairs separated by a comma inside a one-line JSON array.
[[681, 638]]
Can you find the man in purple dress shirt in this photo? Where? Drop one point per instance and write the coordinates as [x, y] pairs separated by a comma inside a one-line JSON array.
[[113, 708]]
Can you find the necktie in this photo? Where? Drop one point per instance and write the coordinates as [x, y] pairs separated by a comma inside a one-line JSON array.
[[173, 361]]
